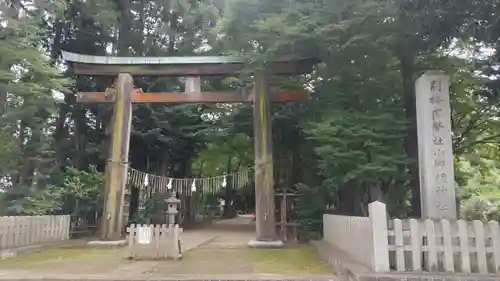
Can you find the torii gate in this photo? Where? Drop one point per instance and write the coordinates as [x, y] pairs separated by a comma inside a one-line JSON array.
[[123, 95]]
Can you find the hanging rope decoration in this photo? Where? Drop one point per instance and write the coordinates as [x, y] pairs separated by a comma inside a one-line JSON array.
[[153, 184], [193, 186]]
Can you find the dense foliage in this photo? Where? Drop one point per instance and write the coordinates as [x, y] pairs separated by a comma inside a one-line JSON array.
[[352, 142]]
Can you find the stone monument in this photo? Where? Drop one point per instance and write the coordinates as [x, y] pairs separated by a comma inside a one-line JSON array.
[[437, 179]]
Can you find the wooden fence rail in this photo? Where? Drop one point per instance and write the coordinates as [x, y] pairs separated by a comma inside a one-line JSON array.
[[19, 231], [154, 242], [416, 245], [444, 245]]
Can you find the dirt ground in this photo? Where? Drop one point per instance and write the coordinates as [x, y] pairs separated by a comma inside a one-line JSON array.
[[223, 251]]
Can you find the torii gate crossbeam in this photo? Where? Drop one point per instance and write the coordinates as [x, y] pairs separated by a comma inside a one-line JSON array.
[[123, 94]]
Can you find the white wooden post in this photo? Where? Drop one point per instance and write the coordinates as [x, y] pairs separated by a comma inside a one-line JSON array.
[[480, 247], [177, 253], [448, 246], [495, 239], [416, 245], [67, 227], [3, 232], [432, 260], [399, 243], [464, 246], [378, 220]]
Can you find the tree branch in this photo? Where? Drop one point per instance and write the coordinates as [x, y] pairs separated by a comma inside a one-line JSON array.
[[473, 123], [486, 140]]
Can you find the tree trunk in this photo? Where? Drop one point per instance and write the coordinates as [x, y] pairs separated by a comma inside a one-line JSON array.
[[350, 200], [411, 142], [60, 133], [15, 6], [125, 25], [228, 198], [172, 19], [18, 178], [80, 136]]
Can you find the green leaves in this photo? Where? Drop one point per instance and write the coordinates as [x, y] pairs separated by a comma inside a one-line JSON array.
[[353, 125], [79, 195], [213, 161], [27, 89], [359, 148]]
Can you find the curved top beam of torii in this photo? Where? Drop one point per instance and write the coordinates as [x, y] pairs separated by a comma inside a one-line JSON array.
[[177, 66]]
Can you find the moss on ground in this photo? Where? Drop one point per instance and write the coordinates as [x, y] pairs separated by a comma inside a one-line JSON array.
[[58, 255], [80, 259], [296, 260]]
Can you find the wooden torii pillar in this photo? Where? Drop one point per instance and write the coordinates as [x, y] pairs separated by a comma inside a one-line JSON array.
[[123, 94], [265, 219]]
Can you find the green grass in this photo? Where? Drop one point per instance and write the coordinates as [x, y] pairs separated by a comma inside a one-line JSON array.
[[296, 260], [56, 255], [72, 251], [76, 257]]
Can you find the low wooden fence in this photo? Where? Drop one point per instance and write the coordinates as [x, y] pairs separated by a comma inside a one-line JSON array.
[[443, 245], [351, 234], [19, 231], [416, 245], [154, 242]]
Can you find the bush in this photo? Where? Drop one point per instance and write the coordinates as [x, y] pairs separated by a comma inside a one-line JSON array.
[[481, 208], [310, 205]]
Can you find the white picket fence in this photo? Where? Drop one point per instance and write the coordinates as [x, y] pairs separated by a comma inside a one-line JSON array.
[[350, 234], [154, 242], [361, 237], [21, 231], [416, 245]]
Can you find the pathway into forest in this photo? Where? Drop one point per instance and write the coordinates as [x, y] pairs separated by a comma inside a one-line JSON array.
[[231, 233]]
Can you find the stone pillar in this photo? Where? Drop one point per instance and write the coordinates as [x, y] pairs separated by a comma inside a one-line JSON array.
[[437, 179]]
